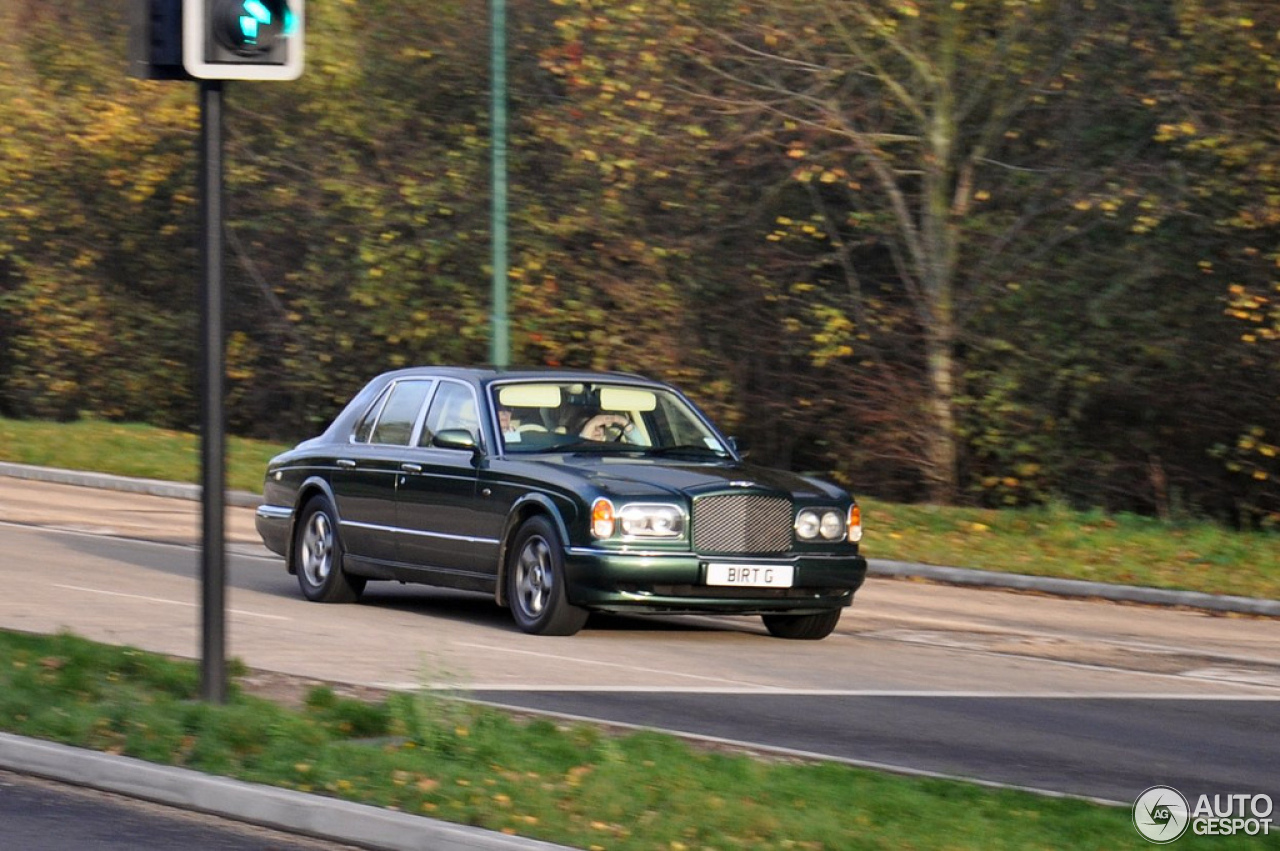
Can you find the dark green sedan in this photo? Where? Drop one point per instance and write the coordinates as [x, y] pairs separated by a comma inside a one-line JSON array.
[[560, 493]]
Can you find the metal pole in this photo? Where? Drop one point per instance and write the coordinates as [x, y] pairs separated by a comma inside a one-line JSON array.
[[500, 331], [213, 562]]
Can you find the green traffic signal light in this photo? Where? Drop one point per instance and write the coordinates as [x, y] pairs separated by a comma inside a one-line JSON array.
[[250, 27]]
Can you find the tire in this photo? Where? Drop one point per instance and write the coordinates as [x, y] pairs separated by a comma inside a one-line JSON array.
[[317, 556], [536, 583], [802, 627]]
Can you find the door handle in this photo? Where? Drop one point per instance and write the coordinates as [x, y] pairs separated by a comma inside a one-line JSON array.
[[411, 468], [345, 462]]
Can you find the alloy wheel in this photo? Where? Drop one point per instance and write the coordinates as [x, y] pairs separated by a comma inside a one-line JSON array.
[[317, 549], [534, 576]]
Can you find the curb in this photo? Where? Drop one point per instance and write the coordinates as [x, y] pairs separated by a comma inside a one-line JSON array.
[[330, 819], [105, 481], [1075, 588]]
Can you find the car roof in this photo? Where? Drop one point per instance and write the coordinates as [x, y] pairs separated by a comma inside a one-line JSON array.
[[480, 377], [486, 374]]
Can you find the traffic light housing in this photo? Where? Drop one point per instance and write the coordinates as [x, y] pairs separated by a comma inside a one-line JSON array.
[[242, 39], [155, 40]]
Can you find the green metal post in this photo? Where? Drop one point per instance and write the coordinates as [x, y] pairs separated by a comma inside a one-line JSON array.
[[500, 331]]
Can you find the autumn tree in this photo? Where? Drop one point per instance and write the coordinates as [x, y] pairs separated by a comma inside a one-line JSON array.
[[1220, 99], [95, 205], [904, 118]]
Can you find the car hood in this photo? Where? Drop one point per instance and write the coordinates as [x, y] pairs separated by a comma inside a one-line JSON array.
[[631, 476]]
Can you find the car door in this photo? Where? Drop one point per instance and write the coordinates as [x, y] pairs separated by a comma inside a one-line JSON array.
[[366, 474], [436, 504]]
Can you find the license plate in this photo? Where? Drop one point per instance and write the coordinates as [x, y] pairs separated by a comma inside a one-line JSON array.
[[751, 575]]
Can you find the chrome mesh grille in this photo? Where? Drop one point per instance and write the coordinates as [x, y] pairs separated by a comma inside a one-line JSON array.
[[742, 523]]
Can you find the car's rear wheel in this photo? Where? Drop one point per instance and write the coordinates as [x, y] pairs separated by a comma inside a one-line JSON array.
[[317, 554], [536, 584], [804, 627]]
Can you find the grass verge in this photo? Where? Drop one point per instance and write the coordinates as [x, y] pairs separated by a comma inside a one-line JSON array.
[[1056, 541], [1051, 541], [129, 449], [574, 784]]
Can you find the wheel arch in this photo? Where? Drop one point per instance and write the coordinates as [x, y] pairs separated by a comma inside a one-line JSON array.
[[525, 508], [308, 490]]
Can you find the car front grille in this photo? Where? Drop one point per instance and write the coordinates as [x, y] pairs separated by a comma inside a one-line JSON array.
[[742, 523]]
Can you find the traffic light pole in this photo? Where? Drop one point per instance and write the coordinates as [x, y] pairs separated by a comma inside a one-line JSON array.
[[500, 330], [210, 41], [213, 558]]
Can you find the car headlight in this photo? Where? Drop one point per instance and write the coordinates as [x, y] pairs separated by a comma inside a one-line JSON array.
[[827, 523], [641, 520]]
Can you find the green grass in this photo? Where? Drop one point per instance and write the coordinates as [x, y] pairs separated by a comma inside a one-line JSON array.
[[574, 784], [1052, 541], [128, 449], [1055, 541]]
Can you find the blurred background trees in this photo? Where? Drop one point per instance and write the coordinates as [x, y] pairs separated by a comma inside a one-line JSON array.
[[997, 252]]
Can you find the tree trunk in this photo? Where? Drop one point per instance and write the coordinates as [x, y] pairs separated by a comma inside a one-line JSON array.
[[943, 468]]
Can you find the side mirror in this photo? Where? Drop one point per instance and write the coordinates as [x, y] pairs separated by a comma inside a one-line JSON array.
[[455, 438]]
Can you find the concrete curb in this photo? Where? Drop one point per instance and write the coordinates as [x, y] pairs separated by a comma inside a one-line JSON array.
[[1076, 588], [152, 487], [267, 806]]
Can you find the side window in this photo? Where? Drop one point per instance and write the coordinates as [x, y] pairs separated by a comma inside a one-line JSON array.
[[364, 428], [674, 426], [453, 407], [395, 423]]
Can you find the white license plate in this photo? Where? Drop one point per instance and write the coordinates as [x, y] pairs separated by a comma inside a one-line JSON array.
[[751, 575]]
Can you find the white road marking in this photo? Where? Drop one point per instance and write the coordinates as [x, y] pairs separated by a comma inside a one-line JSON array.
[[811, 755], [184, 603], [803, 692]]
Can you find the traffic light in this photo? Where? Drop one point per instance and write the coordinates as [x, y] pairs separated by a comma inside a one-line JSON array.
[[242, 39]]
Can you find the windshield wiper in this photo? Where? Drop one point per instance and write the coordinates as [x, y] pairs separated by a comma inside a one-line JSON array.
[[690, 448], [590, 446]]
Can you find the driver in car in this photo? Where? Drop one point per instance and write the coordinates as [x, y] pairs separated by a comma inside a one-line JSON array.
[[598, 426]]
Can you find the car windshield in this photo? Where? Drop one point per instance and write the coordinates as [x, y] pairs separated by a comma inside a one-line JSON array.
[[576, 416]]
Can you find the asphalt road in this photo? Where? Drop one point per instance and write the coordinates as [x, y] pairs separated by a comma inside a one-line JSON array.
[[1070, 696], [993, 686]]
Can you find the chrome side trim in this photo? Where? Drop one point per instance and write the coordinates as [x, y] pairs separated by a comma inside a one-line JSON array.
[[417, 533], [274, 512]]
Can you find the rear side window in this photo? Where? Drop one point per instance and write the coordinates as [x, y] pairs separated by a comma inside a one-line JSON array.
[[364, 428], [392, 421]]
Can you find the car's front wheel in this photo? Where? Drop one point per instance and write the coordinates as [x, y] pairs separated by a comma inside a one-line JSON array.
[[317, 555], [536, 585], [805, 627]]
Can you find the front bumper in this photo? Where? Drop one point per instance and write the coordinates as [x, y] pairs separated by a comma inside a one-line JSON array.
[[617, 581]]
